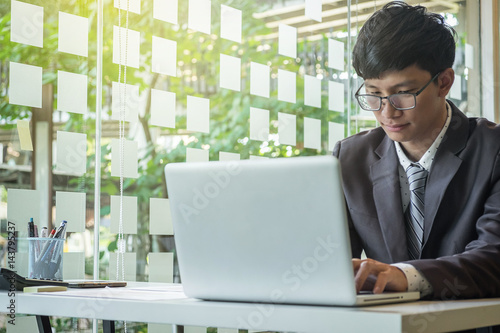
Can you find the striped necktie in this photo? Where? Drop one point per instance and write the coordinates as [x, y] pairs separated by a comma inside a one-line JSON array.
[[414, 216]]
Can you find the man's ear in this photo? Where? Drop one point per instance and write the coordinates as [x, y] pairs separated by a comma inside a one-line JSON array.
[[445, 81]]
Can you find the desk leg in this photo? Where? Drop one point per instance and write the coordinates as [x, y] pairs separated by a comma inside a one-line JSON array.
[[108, 326], [43, 323]]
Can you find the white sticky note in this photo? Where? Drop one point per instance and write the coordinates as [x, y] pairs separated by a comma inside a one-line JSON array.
[[129, 263], [26, 23], [227, 330], [198, 114], [71, 152], [287, 128], [160, 328], [255, 157], [335, 134], [259, 124], [162, 108], [25, 85], [230, 23], [126, 53], [125, 97], [164, 56], [287, 41], [199, 15], [456, 88], [166, 10], [161, 267], [21, 206], [70, 206], [71, 92], [230, 72], [129, 215], [336, 96], [312, 91], [73, 265], [259, 79], [23, 130], [129, 160], [287, 86], [196, 155], [195, 329], [312, 133], [22, 324], [133, 6], [224, 156], [160, 217], [73, 34], [314, 9], [335, 54], [469, 56]]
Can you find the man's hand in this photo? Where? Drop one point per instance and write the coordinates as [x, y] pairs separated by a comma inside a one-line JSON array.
[[373, 275]]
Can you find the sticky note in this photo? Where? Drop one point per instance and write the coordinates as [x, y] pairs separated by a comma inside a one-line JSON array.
[[23, 130], [335, 54], [166, 10], [70, 206], [22, 324], [129, 263], [25, 85], [71, 152], [129, 158], [227, 330], [336, 96], [469, 56], [21, 206], [230, 72], [71, 92], [230, 23], [335, 134], [196, 155], [73, 266], [287, 41], [133, 6], [259, 124], [73, 36], [314, 9], [162, 108], [456, 88], [160, 217], [224, 156], [126, 53], [129, 215], [255, 157], [312, 133], [125, 98], [287, 86], [199, 15], [312, 91], [160, 328], [198, 114], [259, 79], [164, 59], [161, 267], [26, 23], [287, 128], [194, 329]]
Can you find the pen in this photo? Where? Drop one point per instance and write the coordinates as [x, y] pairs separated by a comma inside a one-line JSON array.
[[31, 228], [60, 231], [45, 232], [52, 233]]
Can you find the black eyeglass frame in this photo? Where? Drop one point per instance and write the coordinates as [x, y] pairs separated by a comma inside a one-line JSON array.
[[357, 95]]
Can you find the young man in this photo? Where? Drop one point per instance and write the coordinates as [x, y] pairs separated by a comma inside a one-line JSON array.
[[423, 189]]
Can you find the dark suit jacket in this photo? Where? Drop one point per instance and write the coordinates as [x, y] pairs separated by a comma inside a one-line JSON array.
[[461, 251]]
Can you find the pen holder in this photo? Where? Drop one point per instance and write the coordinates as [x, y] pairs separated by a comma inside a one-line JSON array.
[[45, 258]]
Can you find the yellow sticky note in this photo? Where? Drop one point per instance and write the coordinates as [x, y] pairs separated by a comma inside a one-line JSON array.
[[23, 129]]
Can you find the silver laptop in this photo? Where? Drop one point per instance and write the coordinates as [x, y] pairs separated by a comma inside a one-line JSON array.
[[265, 231]]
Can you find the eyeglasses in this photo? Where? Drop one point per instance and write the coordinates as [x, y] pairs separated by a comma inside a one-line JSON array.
[[400, 101]]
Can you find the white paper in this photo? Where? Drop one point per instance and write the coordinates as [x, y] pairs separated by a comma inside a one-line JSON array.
[[129, 53], [164, 56], [129, 215], [198, 114], [25, 85], [129, 161], [130, 263], [456, 88], [162, 108], [160, 217], [196, 155], [312, 133], [70, 206], [224, 156], [166, 10], [335, 54], [259, 124], [314, 9], [23, 130], [71, 92], [230, 72], [161, 267], [26, 23], [287, 128], [130, 95], [199, 15], [21, 206], [287, 86], [73, 34], [335, 134], [71, 152], [230, 23], [336, 96], [133, 6], [160, 328], [312, 91], [287, 41], [259, 79], [469, 56], [73, 266]]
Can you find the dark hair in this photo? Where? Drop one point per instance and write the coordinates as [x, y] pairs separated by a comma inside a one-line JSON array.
[[398, 36]]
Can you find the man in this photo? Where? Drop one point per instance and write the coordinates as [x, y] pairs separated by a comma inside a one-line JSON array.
[[423, 189]]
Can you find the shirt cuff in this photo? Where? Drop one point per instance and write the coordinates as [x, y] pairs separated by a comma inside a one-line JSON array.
[[416, 280]]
